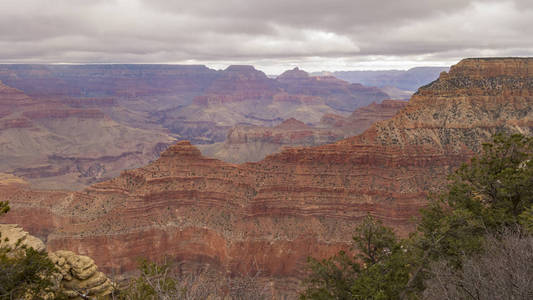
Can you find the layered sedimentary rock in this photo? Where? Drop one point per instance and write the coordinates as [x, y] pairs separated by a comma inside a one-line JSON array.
[[193, 102], [338, 94], [248, 143], [363, 117], [77, 275], [243, 95], [272, 214], [82, 124], [131, 95], [131, 81], [54, 145]]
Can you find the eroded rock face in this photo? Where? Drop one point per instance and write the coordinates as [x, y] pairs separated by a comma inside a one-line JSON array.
[[78, 275], [338, 94], [302, 202], [13, 237], [243, 95], [192, 102], [253, 143], [53, 145]]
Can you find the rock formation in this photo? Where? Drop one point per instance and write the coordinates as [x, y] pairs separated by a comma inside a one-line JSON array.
[[77, 274], [14, 237], [80, 276], [338, 94], [248, 143], [246, 96], [53, 145], [273, 214], [192, 102]]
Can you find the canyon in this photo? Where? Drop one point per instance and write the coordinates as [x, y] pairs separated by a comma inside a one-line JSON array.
[[54, 145], [67, 126], [272, 214], [192, 102], [242, 95], [249, 143]]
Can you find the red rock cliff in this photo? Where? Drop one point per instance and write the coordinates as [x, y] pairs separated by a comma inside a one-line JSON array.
[[303, 201]]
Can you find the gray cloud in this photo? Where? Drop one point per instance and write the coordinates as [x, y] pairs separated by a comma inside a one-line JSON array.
[[275, 34]]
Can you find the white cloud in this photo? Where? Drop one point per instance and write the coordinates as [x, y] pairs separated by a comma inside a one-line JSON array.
[[334, 34]]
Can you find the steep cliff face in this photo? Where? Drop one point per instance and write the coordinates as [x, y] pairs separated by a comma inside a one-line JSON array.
[[274, 213]]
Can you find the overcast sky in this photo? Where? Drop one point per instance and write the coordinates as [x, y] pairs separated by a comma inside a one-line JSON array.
[[273, 35]]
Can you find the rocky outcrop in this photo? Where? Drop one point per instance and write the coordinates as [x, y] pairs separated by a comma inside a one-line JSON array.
[[236, 84], [14, 237], [77, 275], [271, 215]]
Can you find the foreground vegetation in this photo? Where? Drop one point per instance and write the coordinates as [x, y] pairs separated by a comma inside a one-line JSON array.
[[24, 272], [473, 242]]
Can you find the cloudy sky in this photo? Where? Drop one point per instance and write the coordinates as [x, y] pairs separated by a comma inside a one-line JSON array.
[[273, 35]]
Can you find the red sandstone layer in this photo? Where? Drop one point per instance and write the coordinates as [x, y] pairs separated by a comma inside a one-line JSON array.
[[303, 201]]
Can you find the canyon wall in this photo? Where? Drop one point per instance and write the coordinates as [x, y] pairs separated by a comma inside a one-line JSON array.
[[242, 95], [67, 126], [54, 145], [192, 102], [305, 201], [249, 143]]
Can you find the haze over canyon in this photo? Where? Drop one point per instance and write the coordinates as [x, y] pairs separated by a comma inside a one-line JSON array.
[[250, 149], [70, 126], [355, 152]]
